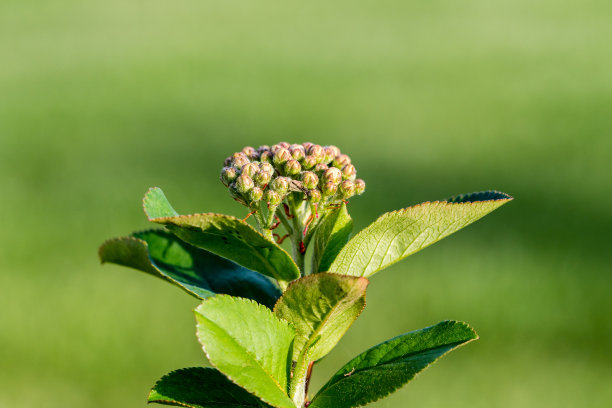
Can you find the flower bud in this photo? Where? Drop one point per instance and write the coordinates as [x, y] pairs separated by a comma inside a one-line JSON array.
[[349, 172], [341, 161], [307, 145], [266, 168], [228, 161], [280, 185], [284, 145], [265, 157], [250, 169], [239, 159], [262, 178], [314, 195], [228, 174], [244, 183], [330, 153], [309, 162], [297, 152], [333, 175], [317, 152], [255, 195], [250, 152], [272, 198], [263, 148], [281, 156], [347, 189], [235, 194], [359, 186], [329, 189], [309, 180], [320, 169], [292, 167]]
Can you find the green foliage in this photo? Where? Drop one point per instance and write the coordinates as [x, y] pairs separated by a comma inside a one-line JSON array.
[[264, 357], [195, 270], [199, 387], [248, 344], [386, 367], [398, 234], [225, 236], [333, 233]]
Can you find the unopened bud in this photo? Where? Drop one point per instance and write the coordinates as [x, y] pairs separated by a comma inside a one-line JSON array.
[[320, 169], [272, 198], [262, 178], [333, 175], [329, 189], [307, 145], [235, 194], [228, 161], [309, 162], [349, 172], [266, 156], [292, 167], [284, 145], [297, 152], [317, 152], [228, 174], [330, 153], [250, 152], [359, 186], [347, 189], [309, 180], [239, 159], [263, 148], [314, 196], [244, 183], [250, 169], [281, 156], [255, 195], [280, 185], [341, 161], [266, 168]]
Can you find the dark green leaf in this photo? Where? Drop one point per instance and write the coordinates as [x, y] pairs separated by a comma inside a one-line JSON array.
[[200, 387], [386, 367], [195, 270], [225, 236], [248, 344], [332, 234], [398, 234]]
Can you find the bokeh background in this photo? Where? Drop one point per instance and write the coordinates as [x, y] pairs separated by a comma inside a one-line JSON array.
[[101, 100]]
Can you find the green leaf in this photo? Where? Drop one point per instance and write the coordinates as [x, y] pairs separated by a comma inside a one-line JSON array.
[[225, 236], [332, 234], [321, 307], [398, 234], [195, 270], [247, 343], [199, 387], [386, 367]]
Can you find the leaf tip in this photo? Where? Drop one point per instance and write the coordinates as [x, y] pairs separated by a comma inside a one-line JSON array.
[[156, 205]]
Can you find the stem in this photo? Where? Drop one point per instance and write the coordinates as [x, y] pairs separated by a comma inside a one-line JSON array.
[[297, 388]]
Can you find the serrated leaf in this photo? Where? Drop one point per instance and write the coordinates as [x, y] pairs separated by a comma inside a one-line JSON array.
[[199, 387], [332, 234], [225, 236], [398, 234], [248, 344], [198, 272], [388, 366], [321, 308]]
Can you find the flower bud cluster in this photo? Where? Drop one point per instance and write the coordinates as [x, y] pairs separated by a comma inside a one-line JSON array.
[[322, 174]]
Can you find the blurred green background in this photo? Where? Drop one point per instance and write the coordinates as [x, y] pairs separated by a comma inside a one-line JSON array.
[[101, 100]]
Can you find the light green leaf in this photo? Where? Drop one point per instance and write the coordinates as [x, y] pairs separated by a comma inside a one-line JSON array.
[[386, 367], [398, 234], [225, 236], [332, 234], [195, 270], [248, 344], [199, 387], [321, 307]]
